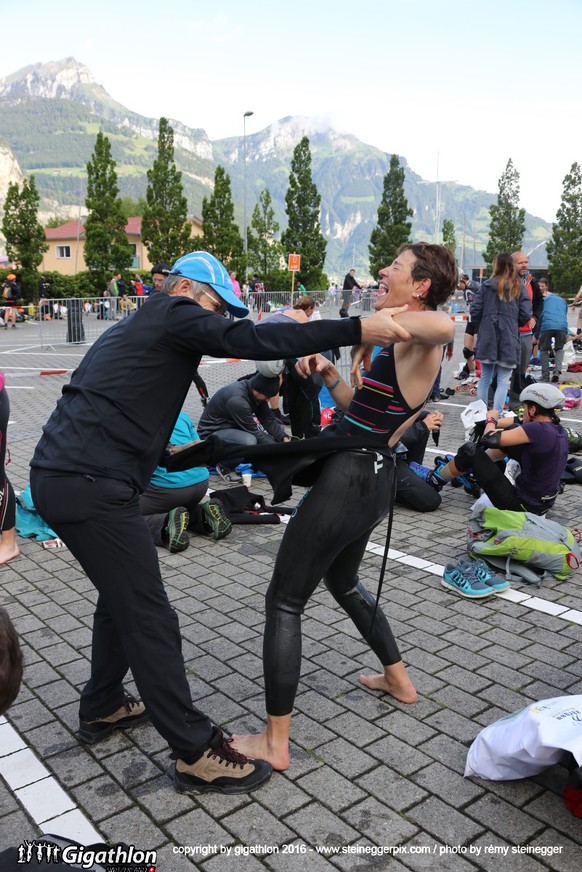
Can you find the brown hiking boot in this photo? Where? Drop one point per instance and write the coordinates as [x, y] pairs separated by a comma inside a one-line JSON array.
[[221, 769], [129, 714]]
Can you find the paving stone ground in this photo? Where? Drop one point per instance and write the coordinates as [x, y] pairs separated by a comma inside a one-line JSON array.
[[367, 773]]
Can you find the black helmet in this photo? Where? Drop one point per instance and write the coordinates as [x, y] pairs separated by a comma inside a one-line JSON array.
[[162, 268]]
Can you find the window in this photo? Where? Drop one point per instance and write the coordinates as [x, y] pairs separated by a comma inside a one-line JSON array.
[[133, 247], [63, 251]]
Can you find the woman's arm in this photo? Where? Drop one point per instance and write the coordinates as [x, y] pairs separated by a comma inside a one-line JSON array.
[[341, 393], [476, 308], [428, 327]]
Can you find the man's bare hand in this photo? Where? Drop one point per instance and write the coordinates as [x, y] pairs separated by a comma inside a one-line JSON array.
[[434, 420], [382, 329], [311, 363]]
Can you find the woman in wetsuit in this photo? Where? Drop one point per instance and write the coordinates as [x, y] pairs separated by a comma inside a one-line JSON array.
[[327, 536]]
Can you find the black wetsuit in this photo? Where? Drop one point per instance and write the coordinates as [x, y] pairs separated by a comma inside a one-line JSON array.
[[327, 536]]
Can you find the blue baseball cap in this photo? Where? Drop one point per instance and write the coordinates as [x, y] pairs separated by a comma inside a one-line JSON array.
[[204, 267]]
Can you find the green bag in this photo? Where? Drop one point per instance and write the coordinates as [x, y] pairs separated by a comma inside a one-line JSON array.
[[527, 546]]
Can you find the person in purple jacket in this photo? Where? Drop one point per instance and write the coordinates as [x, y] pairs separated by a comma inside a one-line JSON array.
[[539, 443]]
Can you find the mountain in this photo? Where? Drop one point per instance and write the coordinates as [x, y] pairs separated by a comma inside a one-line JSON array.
[[51, 113]]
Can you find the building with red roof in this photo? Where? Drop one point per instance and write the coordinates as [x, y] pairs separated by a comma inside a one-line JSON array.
[[67, 245]]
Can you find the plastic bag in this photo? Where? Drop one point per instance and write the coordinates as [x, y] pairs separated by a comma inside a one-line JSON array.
[[528, 741]]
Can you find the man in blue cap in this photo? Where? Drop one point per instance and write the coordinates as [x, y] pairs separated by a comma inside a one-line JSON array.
[[97, 454]]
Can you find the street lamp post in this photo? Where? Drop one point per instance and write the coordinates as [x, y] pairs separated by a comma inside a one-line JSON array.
[[245, 116]]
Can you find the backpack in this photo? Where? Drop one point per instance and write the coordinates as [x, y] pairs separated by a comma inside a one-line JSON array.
[[527, 546]]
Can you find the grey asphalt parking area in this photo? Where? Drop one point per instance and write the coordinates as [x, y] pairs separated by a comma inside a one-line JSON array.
[[380, 781]]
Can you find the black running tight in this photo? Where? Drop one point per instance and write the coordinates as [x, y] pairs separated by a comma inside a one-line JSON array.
[[326, 538], [7, 499]]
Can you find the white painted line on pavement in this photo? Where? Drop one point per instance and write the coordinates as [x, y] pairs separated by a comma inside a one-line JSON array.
[[515, 596], [50, 807]]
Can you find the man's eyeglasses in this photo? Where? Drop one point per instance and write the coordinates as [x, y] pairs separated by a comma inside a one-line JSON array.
[[219, 305]]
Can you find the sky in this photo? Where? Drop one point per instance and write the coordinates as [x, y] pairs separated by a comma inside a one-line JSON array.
[[457, 87]]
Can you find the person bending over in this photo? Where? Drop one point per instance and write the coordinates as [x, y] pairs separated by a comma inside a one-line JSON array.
[[239, 414], [539, 444], [327, 536]]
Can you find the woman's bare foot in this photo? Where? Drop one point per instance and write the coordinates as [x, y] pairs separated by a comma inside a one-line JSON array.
[[394, 680], [258, 747], [8, 552]]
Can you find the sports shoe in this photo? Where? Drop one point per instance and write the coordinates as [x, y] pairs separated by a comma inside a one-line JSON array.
[[465, 582], [484, 574], [466, 480], [221, 769], [229, 475], [213, 516], [129, 714], [175, 529]]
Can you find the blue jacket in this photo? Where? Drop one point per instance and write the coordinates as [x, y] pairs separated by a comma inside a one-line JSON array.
[[496, 324], [554, 313]]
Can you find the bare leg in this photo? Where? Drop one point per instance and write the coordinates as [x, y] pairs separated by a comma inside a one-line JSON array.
[[394, 680], [272, 745], [8, 547]]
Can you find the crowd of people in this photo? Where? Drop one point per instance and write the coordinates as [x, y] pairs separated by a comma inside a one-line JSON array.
[[112, 506]]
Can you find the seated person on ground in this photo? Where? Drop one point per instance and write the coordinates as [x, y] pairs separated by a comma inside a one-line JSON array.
[[239, 414], [412, 489], [174, 501], [539, 444]]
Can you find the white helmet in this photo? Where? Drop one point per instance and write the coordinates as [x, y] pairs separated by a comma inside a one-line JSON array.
[[269, 368], [543, 395]]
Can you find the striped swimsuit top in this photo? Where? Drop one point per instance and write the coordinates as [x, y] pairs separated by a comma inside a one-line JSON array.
[[378, 407]]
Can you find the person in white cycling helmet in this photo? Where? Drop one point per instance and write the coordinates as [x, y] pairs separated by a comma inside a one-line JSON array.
[[538, 443]]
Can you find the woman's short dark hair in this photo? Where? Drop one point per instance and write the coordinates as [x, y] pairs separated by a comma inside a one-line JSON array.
[[437, 263], [305, 303], [10, 662]]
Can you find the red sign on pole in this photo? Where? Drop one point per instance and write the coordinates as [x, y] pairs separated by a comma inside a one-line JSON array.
[[294, 262]]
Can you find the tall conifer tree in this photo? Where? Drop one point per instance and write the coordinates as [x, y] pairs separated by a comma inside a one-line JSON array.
[[565, 247], [25, 236], [106, 247], [222, 237], [264, 250], [165, 229], [507, 222], [393, 227], [449, 240], [303, 235]]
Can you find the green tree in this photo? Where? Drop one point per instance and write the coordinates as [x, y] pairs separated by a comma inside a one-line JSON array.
[[132, 208], [264, 250], [449, 239], [106, 247], [507, 220], [565, 247], [165, 229], [25, 236], [221, 236], [304, 235], [393, 227]]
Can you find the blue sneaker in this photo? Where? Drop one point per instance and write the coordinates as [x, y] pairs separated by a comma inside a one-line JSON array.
[[466, 480], [465, 581], [484, 574]]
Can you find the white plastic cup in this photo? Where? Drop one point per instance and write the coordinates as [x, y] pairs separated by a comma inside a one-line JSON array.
[[247, 479]]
